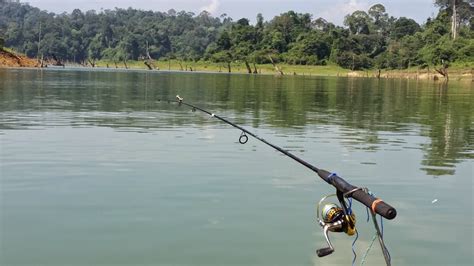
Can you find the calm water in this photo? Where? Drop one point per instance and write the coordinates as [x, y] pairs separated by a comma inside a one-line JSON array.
[[97, 168]]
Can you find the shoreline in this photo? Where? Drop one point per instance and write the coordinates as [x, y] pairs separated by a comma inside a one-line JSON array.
[[465, 73], [12, 59], [455, 73]]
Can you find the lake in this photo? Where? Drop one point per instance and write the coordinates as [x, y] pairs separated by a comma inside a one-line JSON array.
[[98, 168]]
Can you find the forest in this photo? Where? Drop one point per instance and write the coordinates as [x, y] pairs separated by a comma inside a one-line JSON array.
[[369, 39]]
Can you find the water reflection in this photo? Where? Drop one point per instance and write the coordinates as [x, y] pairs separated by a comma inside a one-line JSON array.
[[370, 113]]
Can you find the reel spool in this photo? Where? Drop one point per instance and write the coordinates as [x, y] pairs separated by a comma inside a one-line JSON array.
[[335, 219]]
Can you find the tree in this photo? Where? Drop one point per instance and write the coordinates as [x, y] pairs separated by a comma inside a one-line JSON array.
[[111, 54], [320, 24], [277, 41], [259, 27], [130, 47], [404, 27], [380, 18], [441, 52], [401, 53], [243, 32], [93, 51], [354, 61], [223, 57], [377, 12], [358, 22], [243, 22], [259, 24], [312, 49], [464, 49], [460, 11], [290, 25], [223, 42]]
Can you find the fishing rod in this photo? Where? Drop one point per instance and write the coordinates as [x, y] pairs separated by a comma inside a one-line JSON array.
[[333, 218]]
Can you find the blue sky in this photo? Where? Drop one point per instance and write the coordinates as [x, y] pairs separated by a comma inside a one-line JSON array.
[[332, 10]]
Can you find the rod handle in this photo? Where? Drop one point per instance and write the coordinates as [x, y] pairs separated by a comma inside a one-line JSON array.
[[377, 205]]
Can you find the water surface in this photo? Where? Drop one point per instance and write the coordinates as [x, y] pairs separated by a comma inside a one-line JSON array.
[[97, 168]]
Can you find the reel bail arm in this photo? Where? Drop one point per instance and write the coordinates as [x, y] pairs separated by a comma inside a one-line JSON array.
[[333, 218]]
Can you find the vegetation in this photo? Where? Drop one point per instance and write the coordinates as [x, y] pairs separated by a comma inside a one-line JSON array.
[[370, 39]]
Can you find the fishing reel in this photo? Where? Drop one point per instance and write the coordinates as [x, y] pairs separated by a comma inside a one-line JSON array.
[[334, 218]]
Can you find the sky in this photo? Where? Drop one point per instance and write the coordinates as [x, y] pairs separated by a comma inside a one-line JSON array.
[[331, 10]]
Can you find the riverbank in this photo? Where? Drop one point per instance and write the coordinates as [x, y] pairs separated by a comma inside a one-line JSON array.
[[459, 72], [235, 67], [11, 59]]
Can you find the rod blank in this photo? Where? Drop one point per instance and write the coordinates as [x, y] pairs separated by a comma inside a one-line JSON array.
[[377, 205]]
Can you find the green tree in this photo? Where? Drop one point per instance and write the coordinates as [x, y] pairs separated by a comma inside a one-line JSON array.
[[260, 21], [380, 18], [441, 52], [401, 53], [285, 28], [224, 42], [321, 24], [358, 22], [313, 49], [223, 57], [275, 40], [354, 61], [259, 28], [110, 54], [404, 27], [460, 12], [94, 48]]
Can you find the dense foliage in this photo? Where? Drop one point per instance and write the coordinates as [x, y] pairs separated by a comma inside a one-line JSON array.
[[369, 39]]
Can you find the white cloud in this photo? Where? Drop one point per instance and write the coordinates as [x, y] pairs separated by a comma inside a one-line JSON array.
[[211, 7], [353, 5], [337, 12]]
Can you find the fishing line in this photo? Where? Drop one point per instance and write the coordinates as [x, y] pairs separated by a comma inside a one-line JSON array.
[[353, 248], [364, 257]]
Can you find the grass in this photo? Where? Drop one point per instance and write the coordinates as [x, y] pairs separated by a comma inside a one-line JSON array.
[[456, 70], [202, 66], [9, 50]]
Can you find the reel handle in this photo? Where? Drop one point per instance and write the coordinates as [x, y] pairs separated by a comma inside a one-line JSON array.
[[328, 250], [324, 251]]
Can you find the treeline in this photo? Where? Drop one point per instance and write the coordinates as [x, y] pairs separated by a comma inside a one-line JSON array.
[[370, 39]]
